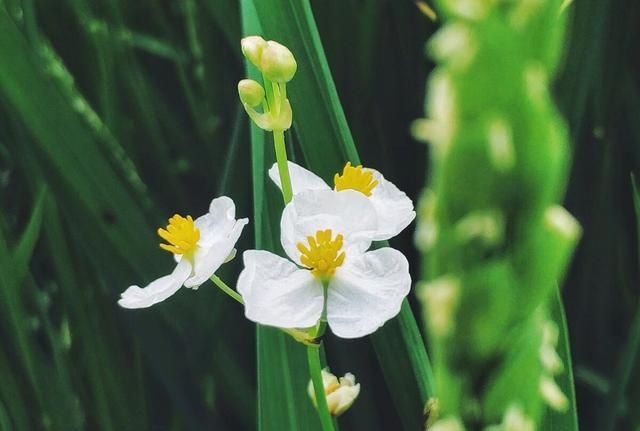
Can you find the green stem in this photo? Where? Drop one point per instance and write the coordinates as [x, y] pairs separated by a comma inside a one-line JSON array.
[[283, 167], [313, 356], [226, 289]]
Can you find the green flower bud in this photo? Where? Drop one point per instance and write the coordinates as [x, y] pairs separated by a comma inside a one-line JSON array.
[[552, 394], [250, 92], [277, 62], [252, 47]]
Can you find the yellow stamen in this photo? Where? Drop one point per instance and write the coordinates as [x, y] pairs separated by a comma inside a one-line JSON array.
[[355, 178], [181, 234], [322, 254]]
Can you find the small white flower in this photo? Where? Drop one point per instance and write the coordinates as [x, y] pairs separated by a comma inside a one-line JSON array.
[[199, 247], [326, 235], [393, 207], [340, 393]]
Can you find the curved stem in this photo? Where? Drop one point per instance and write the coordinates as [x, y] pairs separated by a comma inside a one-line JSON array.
[[226, 289], [283, 167], [313, 356]]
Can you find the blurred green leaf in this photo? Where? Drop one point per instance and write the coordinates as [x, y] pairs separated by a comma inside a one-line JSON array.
[[69, 147], [24, 249]]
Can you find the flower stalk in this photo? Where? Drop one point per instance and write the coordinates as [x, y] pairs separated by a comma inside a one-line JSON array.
[[226, 289], [283, 166], [315, 369]]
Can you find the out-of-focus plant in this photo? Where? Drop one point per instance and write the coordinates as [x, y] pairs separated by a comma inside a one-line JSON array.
[[495, 241]]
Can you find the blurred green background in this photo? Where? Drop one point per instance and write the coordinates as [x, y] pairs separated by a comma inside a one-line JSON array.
[[116, 114]]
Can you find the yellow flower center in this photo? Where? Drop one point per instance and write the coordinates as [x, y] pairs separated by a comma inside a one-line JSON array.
[[355, 178], [322, 254], [181, 234]]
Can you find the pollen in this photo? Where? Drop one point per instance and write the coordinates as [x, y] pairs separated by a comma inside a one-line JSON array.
[[355, 178], [181, 235], [322, 253]]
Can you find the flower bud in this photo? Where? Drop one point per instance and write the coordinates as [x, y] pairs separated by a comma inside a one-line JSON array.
[[516, 420], [440, 298], [552, 394], [277, 62], [450, 423], [551, 361], [250, 92], [252, 47], [340, 393]]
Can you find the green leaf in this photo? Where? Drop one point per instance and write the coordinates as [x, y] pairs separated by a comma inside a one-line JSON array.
[[568, 420], [283, 374], [107, 219], [12, 316], [69, 147], [27, 243], [629, 353], [326, 143]]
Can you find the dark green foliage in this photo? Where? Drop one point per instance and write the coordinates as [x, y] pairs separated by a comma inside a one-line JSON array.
[[116, 114]]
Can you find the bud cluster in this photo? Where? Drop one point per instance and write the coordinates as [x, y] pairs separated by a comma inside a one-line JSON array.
[[278, 66]]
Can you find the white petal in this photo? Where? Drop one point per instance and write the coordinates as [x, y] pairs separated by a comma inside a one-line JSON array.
[[301, 178], [158, 290], [366, 292], [278, 293], [207, 260], [218, 222], [394, 208], [348, 212]]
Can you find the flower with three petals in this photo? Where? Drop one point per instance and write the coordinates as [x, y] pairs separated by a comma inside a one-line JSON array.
[[393, 207], [329, 273], [199, 247]]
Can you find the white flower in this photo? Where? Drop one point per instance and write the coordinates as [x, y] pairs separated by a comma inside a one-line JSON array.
[[199, 247], [327, 234], [340, 393], [393, 207]]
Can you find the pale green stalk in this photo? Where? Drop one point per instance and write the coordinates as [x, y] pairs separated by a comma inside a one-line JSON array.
[[276, 112], [283, 166], [313, 350], [226, 289], [313, 356]]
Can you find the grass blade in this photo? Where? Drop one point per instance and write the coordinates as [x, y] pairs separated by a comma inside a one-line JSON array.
[[568, 420], [282, 366], [628, 355], [326, 143]]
